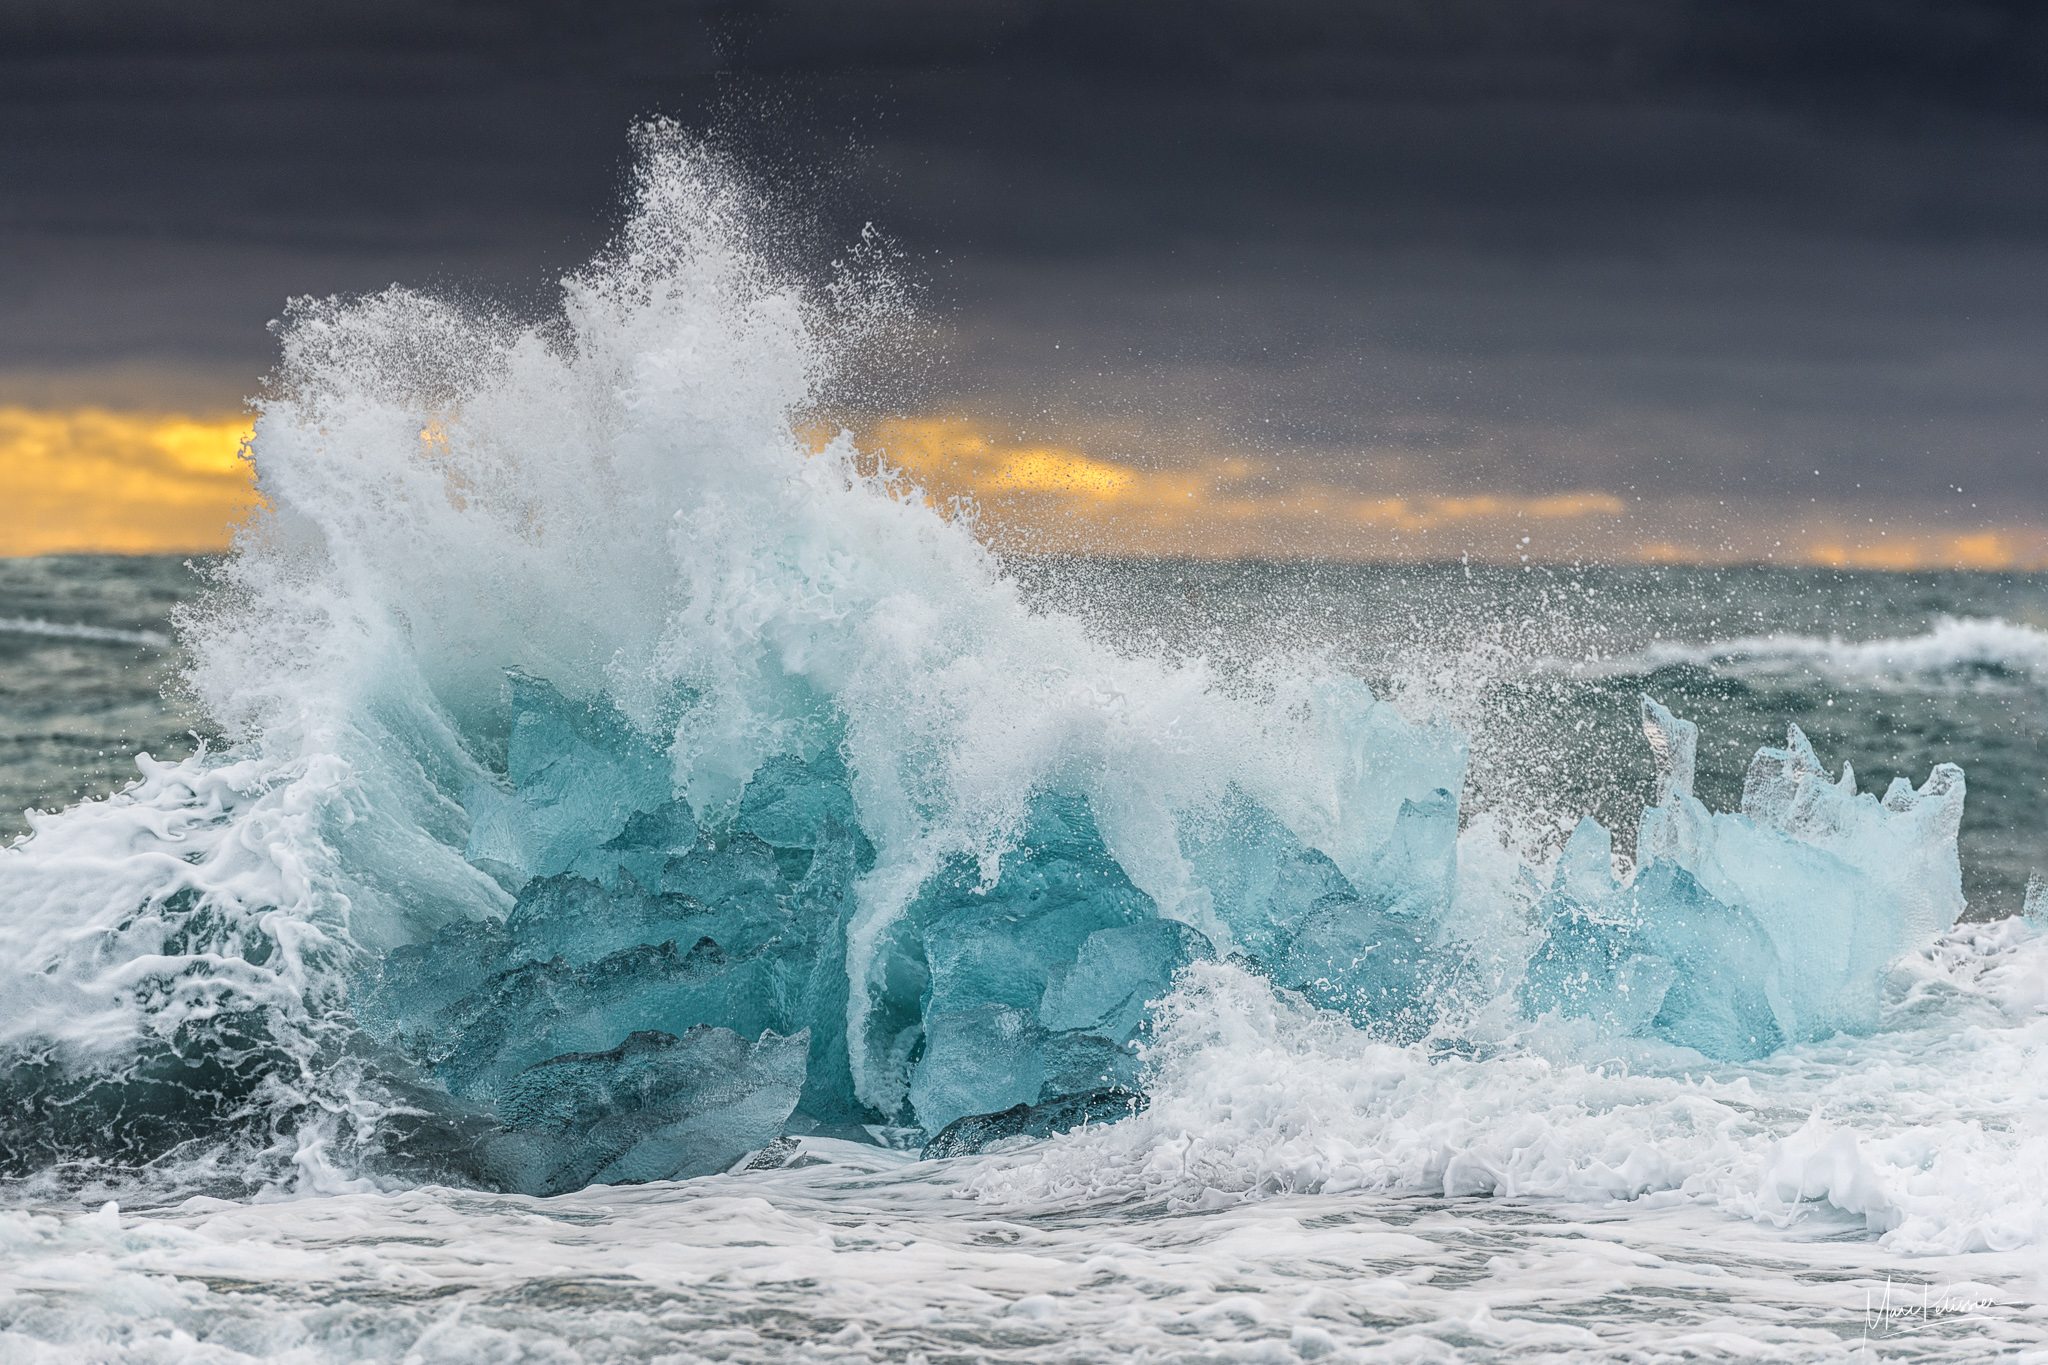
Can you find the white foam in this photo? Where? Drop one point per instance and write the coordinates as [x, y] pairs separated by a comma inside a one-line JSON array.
[[872, 1261], [1924, 1131]]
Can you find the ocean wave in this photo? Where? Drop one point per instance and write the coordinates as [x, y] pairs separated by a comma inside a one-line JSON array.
[[1952, 648], [77, 630], [615, 782]]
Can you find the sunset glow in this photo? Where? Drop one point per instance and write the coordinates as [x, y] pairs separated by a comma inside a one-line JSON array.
[[95, 480], [90, 480]]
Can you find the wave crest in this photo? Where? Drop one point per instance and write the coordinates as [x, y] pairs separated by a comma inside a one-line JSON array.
[[1953, 648]]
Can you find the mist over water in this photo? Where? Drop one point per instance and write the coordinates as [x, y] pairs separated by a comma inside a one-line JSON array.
[[603, 788]]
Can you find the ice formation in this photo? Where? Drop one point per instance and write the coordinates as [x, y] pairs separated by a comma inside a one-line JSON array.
[[615, 783], [1740, 933]]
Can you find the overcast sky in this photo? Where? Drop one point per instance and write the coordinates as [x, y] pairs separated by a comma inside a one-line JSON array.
[[1695, 251]]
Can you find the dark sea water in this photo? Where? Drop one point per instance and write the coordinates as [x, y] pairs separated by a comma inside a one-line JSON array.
[[86, 655]]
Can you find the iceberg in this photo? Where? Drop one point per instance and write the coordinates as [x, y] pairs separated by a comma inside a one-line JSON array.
[[656, 1107], [1035, 987], [665, 988], [634, 923], [1741, 932]]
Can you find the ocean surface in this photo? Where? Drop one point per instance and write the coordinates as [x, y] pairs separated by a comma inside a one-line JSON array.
[[594, 876], [858, 1252], [1543, 664]]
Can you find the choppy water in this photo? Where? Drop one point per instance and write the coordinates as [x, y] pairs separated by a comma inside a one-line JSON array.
[[85, 657], [628, 840], [847, 1262]]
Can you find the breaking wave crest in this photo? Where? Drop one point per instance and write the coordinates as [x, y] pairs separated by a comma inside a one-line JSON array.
[[614, 783], [1952, 648], [76, 630]]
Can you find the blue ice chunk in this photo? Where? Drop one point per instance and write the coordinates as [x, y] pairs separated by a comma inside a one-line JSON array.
[[1724, 980], [656, 1107], [747, 887], [1380, 954], [795, 804], [1017, 996], [537, 1010], [1116, 974], [578, 773], [580, 920], [1593, 962], [1372, 946], [1379, 761], [632, 917], [1658, 957], [1750, 930], [979, 1056], [1414, 874], [640, 851], [400, 994], [1262, 880], [1076, 1061], [1839, 883]]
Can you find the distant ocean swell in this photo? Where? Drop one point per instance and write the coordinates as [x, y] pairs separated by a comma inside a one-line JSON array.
[[1955, 649], [75, 630]]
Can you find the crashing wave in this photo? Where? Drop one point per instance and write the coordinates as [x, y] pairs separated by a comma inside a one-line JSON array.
[[614, 783]]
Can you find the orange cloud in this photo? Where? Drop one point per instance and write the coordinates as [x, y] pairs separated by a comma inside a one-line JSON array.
[[1055, 497], [947, 458], [2011, 550], [90, 480], [95, 480]]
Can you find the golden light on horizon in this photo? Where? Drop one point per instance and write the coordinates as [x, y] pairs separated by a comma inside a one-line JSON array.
[[1045, 496], [947, 456], [97, 481], [1988, 551]]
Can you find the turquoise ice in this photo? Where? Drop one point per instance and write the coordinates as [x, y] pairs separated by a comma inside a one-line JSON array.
[[1739, 933], [647, 951]]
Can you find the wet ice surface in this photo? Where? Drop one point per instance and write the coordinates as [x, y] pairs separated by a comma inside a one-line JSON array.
[[874, 1257]]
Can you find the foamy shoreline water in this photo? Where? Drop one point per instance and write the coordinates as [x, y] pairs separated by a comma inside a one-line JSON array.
[[829, 1263]]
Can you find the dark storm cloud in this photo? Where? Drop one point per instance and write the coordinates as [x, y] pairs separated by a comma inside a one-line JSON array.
[[1702, 248]]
